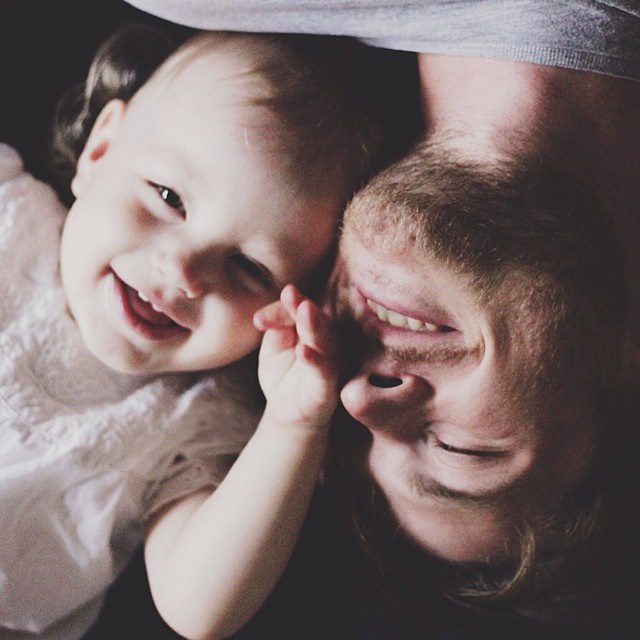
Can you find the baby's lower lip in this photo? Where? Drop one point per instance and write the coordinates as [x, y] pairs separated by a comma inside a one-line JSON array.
[[147, 323]]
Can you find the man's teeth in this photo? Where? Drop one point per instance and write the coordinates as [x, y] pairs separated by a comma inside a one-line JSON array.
[[145, 299], [399, 320]]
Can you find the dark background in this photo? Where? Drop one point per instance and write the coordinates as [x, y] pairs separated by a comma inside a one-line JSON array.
[[46, 47]]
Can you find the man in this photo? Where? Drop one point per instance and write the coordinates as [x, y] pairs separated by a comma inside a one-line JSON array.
[[482, 283], [481, 290], [500, 323], [472, 194]]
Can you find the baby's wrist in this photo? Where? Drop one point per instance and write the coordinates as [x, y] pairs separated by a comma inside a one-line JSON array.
[[307, 426]]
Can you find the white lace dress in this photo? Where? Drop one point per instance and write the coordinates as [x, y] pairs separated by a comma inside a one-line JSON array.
[[86, 454]]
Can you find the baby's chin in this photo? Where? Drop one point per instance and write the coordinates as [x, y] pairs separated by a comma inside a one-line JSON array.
[[127, 365], [121, 357], [177, 355]]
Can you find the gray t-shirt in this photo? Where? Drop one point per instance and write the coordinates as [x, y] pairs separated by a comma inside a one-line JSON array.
[[588, 35]]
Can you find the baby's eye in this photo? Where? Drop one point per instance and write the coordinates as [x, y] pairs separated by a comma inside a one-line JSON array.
[[250, 274], [170, 198]]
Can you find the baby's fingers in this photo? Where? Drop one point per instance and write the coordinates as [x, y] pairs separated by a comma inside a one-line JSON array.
[[319, 361], [281, 313], [314, 329], [272, 316], [277, 340], [291, 299]]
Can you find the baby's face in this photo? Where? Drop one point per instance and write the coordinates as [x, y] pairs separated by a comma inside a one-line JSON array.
[[186, 222]]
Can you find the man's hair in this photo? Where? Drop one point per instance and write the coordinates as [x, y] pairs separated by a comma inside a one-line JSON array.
[[524, 231], [313, 90], [579, 566]]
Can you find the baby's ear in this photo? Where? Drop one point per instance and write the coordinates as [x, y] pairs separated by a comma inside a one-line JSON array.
[[106, 124]]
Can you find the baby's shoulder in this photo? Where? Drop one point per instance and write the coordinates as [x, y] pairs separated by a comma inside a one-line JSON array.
[[30, 211], [10, 163]]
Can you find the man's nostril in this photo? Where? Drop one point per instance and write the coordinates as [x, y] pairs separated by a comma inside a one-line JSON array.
[[384, 382]]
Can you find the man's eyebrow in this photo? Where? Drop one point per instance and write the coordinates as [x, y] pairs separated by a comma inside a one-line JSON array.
[[425, 486]]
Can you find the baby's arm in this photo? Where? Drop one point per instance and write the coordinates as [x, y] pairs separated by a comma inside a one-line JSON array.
[[213, 558]]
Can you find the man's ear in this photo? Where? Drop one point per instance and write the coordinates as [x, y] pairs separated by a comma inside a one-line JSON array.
[[104, 128]]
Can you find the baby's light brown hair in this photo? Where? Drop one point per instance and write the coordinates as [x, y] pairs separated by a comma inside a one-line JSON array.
[[331, 132]]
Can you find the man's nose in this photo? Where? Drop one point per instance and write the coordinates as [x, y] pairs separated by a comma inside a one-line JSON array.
[[396, 405], [179, 269]]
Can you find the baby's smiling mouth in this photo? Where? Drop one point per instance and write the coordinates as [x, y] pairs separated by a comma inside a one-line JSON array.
[[149, 312], [144, 317], [399, 320]]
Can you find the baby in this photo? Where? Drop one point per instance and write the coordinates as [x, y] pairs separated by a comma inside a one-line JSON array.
[[202, 194]]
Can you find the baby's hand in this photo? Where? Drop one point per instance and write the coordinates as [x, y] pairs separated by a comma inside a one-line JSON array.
[[297, 369]]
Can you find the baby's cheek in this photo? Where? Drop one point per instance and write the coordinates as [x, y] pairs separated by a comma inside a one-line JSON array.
[[240, 334], [221, 340]]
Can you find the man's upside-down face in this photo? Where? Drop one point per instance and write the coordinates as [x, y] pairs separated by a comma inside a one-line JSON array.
[[456, 449], [468, 433]]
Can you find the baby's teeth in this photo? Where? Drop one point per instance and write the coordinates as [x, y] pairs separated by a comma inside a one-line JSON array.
[[142, 297], [155, 308]]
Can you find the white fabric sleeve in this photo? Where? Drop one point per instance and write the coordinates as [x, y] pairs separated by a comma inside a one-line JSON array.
[[186, 476], [10, 163], [211, 429]]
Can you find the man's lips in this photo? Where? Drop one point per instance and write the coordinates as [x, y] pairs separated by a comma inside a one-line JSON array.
[[399, 319], [141, 315]]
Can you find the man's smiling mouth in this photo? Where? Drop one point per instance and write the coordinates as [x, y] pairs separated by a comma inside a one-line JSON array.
[[401, 321]]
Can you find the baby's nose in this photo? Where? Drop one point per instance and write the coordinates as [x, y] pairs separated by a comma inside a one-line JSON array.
[[179, 270]]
